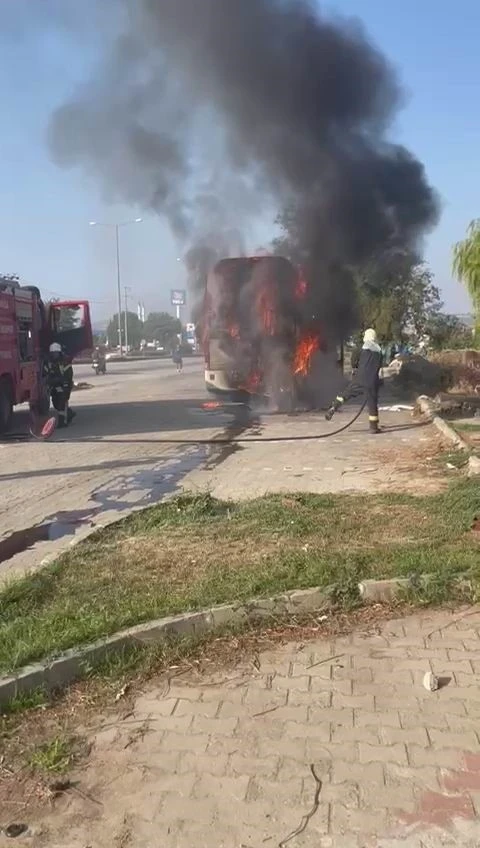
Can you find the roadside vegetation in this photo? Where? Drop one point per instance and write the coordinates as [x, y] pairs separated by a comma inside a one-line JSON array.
[[195, 551], [468, 428], [470, 433]]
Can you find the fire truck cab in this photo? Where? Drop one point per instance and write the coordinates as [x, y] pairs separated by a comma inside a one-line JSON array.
[[27, 328]]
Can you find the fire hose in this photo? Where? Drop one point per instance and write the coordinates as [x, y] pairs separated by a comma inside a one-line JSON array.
[[256, 439], [50, 426]]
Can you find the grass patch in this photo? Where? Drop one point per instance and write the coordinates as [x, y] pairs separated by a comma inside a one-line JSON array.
[[458, 457], [467, 427], [53, 757], [25, 701], [471, 433], [194, 551], [441, 587]]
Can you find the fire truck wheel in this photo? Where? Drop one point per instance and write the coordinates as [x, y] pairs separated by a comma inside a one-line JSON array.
[[6, 405]]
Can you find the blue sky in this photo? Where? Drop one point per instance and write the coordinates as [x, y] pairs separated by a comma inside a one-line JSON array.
[[45, 211]]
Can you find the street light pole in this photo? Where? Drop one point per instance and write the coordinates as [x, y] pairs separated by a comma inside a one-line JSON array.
[[126, 290], [178, 307], [119, 286], [119, 293]]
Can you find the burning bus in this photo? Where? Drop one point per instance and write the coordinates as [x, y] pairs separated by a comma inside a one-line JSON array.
[[257, 335]]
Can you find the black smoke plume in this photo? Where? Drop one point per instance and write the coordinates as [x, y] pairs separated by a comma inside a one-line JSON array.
[[254, 103]]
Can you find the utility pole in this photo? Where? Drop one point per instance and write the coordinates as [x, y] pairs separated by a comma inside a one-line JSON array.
[[119, 292], [126, 290]]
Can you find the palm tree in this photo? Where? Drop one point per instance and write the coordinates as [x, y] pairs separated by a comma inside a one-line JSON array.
[[466, 267]]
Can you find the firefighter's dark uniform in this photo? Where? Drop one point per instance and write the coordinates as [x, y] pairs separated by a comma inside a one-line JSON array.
[[59, 375], [355, 359], [365, 382]]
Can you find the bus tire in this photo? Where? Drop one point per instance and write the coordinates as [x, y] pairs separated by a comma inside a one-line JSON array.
[[6, 405]]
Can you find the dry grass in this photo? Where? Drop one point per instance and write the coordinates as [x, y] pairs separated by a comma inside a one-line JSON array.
[[419, 469]]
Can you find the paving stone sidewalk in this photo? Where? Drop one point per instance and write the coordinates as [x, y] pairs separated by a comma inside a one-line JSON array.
[[327, 744], [401, 459]]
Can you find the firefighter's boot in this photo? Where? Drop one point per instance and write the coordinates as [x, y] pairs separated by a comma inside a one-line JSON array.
[[374, 428], [62, 415], [333, 408]]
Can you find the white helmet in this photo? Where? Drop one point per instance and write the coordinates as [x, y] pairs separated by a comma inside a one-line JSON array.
[[55, 348], [370, 335]]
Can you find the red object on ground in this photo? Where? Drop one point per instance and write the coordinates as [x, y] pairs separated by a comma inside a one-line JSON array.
[[49, 427], [212, 404], [43, 430]]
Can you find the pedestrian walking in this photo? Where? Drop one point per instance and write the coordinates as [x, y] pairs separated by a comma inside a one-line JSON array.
[[178, 359]]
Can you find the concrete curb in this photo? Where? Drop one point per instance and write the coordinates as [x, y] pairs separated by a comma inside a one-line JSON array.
[[73, 664], [427, 407], [382, 591]]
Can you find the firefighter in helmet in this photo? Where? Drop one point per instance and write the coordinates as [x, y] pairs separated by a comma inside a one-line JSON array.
[[59, 375], [366, 381]]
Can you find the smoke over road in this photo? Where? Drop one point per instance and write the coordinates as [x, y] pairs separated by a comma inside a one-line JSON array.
[[210, 111]]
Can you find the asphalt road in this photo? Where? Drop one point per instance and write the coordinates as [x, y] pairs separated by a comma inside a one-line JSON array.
[[117, 455], [110, 458]]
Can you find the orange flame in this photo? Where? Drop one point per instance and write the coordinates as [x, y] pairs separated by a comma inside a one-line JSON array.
[[307, 346]]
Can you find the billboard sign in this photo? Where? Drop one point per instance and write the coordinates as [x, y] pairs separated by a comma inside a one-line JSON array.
[[178, 297]]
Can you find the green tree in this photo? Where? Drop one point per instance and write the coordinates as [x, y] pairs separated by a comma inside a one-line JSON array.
[[163, 328], [466, 266], [447, 332], [134, 328], [398, 297]]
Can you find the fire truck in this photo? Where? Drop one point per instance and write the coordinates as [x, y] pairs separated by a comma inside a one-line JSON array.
[[27, 328]]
